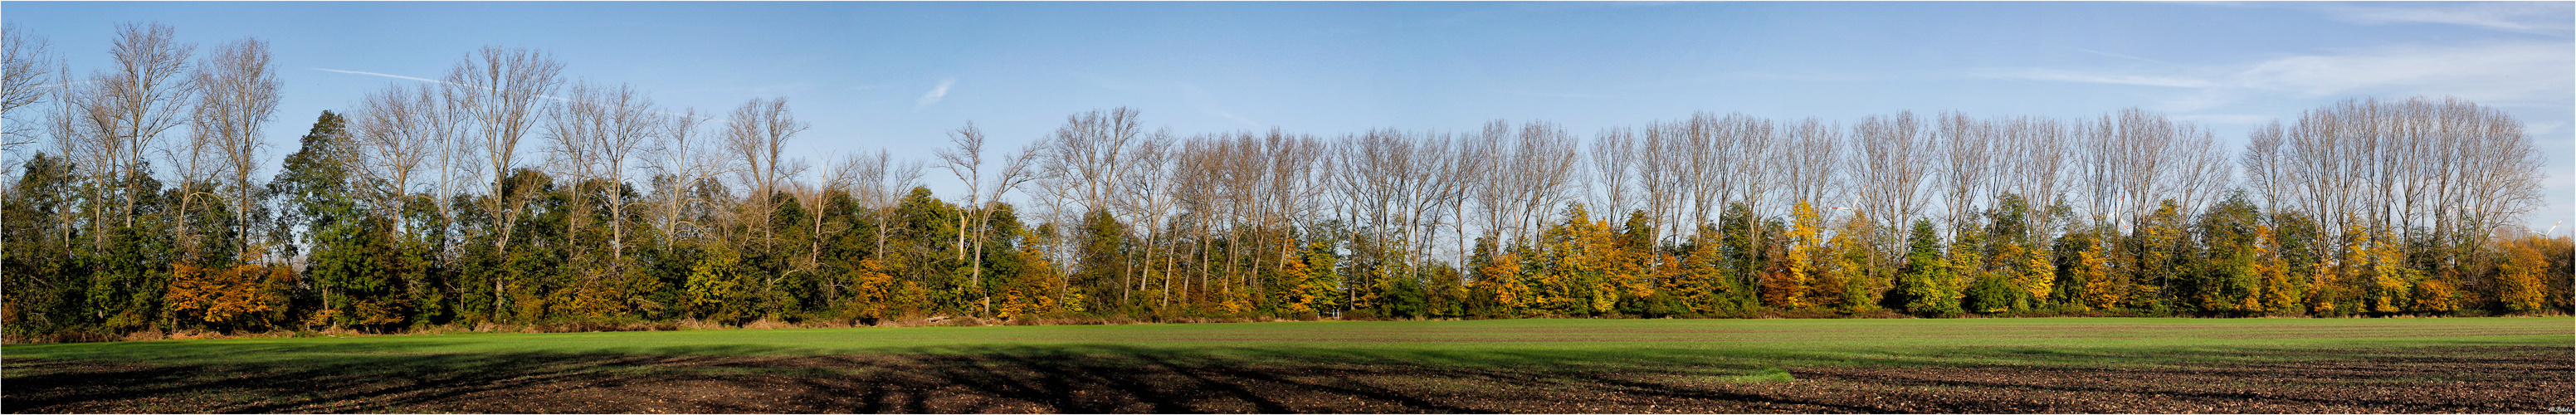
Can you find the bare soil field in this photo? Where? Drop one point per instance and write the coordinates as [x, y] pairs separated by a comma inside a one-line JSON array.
[[2410, 380]]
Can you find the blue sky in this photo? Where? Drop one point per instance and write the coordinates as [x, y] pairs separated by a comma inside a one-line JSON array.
[[898, 75]]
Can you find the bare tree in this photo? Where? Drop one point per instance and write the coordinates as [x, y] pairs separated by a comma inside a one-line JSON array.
[[2097, 169], [817, 196], [230, 91], [24, 67], [1287, 199], [2320, 165], [1490, 191], [1089, 153], [1662, 176], [1546, 159], [503, 91], [570, 128], [1532, 168], [595, 132], [1375, 175], [1018, 168], [2127, 162], [2035, 159], [2262, 164], [966, 161], [2140, 155], [1443, 193], [1085, 163], [1396, 188], [1893, 163], [146, 94], [2201, 168], [1812, 162], [757, 135], [1144, 198], [2497, 168], [679, 161], [393, 140], [1706, 146], [2402, 165], [897, 178], [1754, 141], [240, 97], [1614, 162], [1247, 165], [1966, 153], [79, 127]]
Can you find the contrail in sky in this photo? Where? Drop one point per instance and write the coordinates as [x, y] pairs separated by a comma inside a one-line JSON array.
[[386, 75]]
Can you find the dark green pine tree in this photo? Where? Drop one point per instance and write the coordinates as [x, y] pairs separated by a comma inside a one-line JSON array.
[[40, 260], [345, 251], [1103, 268]]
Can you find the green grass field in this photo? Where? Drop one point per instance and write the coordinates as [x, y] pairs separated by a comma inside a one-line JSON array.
[[1388, 366]]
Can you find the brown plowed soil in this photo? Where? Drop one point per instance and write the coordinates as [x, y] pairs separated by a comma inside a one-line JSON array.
[[2420, 380]]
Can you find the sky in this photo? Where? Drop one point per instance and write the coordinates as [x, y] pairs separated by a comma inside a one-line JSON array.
[[898, 76]]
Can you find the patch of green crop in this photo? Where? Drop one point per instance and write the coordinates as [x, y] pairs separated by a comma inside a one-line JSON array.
[[1573, 343], [1767, 374]]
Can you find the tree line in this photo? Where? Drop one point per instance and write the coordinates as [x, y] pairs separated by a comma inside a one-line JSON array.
[[507, 194]]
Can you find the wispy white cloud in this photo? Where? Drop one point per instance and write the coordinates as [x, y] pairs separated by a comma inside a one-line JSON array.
[[2543, 128], [2538, 17], [2498, 73], [2121, 56], [1198, 98], [1207, 103], [1552, 94], [2247, 119], [2061, 75], [935, 94], [1231, 116], [1739, 76]]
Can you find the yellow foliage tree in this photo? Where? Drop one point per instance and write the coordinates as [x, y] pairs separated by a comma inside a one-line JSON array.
[[1699, 280], [1793, 288], [1502, 276], [1582, 267], [1316, 287], [2103, 289], [2274, 288], [2383, 267], [2435, 295], [1967, 262], [871, 288], [2030, 269], [218, 296], [1844, 269], [2521, 281], [2150, 267], [1036, 291], [1626, 259], [598, 295]]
